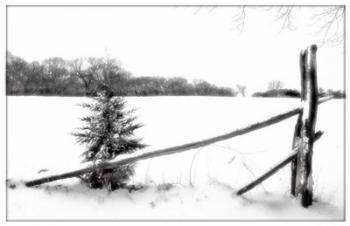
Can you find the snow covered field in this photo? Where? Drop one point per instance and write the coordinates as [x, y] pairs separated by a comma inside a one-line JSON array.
[[198, 184]]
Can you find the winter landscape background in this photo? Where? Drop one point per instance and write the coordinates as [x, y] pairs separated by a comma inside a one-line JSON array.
[[251, 47]]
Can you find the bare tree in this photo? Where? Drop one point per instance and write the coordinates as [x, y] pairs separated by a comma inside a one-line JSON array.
[[57, 76], [108, 72], [22, 77], [77, 69], [241, 89], [35, 78], [275, 85], [16, 73]]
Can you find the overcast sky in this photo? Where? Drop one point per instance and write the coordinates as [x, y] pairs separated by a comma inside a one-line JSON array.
[[192, 42]]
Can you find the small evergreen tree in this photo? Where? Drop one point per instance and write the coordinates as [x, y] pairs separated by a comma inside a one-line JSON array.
[[108, 132]]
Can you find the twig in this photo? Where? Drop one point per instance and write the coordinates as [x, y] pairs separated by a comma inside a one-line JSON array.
[[194, 156]]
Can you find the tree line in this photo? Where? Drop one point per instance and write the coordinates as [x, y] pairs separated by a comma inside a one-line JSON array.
[[275, 89], [82, 77], [338, 94]]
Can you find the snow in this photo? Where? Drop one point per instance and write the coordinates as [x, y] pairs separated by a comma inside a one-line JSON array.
[[203, 180]]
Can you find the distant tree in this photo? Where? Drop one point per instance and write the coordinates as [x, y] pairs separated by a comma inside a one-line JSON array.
[[178, 86], [275, 84], [108, 132], [146, 86], [241, 89], [35, 79], [336, 93], [278, 93], [108, 72], [224, 91], [202, 87], [56, 75], [321, 92], [78, 69], [16, 74]]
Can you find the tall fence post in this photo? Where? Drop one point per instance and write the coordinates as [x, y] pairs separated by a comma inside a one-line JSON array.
[[297, 131], [303, 184]]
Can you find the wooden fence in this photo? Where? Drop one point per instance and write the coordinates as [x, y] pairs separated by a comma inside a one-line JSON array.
[[302, 148]]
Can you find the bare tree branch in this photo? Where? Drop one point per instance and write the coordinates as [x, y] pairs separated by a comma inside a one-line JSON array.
[[284, 14], [239, 19], [211, 9], [330, 21], [197, 10]]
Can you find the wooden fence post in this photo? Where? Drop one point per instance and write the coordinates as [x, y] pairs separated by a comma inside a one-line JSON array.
[[294, 163], [309, 95], [297, 131]]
